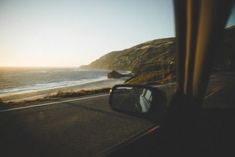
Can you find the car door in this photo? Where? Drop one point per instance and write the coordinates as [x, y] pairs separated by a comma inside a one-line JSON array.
[[199, 30]]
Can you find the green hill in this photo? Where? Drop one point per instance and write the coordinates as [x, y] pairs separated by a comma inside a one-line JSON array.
[[155, 60], [138, 58]]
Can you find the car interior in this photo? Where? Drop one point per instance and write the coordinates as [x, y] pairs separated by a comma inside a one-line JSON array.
[[184, 125], [188, 128]]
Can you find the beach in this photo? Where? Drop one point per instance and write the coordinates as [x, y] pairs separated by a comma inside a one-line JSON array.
[[40, 94], [33, 83]]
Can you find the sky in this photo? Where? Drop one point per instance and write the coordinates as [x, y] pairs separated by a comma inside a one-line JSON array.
[[70, 33]]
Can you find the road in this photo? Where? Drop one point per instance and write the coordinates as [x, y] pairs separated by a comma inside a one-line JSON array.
[[68, 127], [82, 126]]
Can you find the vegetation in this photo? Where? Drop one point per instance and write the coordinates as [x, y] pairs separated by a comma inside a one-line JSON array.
[[152, 77], [140, 57], [152, 60], [57, 95], [65, 94], [149, 61]]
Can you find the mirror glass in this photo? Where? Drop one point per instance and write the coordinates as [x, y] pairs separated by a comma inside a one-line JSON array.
[[132, 99]]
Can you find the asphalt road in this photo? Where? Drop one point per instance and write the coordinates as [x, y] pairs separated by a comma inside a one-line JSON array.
[[69, 127], [83, 126]]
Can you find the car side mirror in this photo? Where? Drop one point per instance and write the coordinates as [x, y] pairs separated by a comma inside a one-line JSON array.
[[139, 100]]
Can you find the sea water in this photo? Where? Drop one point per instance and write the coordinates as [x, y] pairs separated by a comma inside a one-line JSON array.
[[20, 80]]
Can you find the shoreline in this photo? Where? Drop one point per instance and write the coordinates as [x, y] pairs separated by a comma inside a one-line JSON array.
[[50, 93]]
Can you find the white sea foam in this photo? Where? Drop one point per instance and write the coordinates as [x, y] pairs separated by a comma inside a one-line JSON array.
[[46, 86]]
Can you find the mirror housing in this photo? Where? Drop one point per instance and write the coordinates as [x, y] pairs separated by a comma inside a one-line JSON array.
[[139, 100]]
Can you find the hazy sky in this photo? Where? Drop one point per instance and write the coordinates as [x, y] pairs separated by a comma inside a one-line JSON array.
[[73, 32]]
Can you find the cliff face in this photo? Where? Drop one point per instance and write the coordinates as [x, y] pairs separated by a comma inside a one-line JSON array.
[[142, 56], [160, 54]]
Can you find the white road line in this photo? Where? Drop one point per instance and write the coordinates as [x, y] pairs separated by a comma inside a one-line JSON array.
[[51, 103], [213, 91]]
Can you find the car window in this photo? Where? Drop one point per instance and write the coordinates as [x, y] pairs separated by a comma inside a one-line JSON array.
[[58, 62], [220, 92], [52, 49]]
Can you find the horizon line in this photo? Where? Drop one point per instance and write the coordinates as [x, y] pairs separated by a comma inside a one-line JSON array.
[[40, 66]]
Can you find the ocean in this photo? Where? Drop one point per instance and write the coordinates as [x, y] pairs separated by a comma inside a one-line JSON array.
[[24, 80]]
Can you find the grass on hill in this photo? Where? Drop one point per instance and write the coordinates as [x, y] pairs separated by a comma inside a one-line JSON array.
[[65, 94], [152, 77]]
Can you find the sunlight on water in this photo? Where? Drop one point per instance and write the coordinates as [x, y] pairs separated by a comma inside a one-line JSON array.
[[20, 80]]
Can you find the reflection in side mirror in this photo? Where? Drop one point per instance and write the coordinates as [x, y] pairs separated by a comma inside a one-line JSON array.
[[137, 99]]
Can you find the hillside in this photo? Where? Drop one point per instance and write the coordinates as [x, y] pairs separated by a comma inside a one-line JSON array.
[[145, 55], [157, 56]]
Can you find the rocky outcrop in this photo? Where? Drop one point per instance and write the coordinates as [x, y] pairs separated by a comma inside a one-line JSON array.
[[115, 74]]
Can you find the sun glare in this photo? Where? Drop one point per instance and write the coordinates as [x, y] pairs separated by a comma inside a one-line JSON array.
[[73, 33]]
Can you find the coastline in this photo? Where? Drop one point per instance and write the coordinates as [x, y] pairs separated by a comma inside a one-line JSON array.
[[49, 93]]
